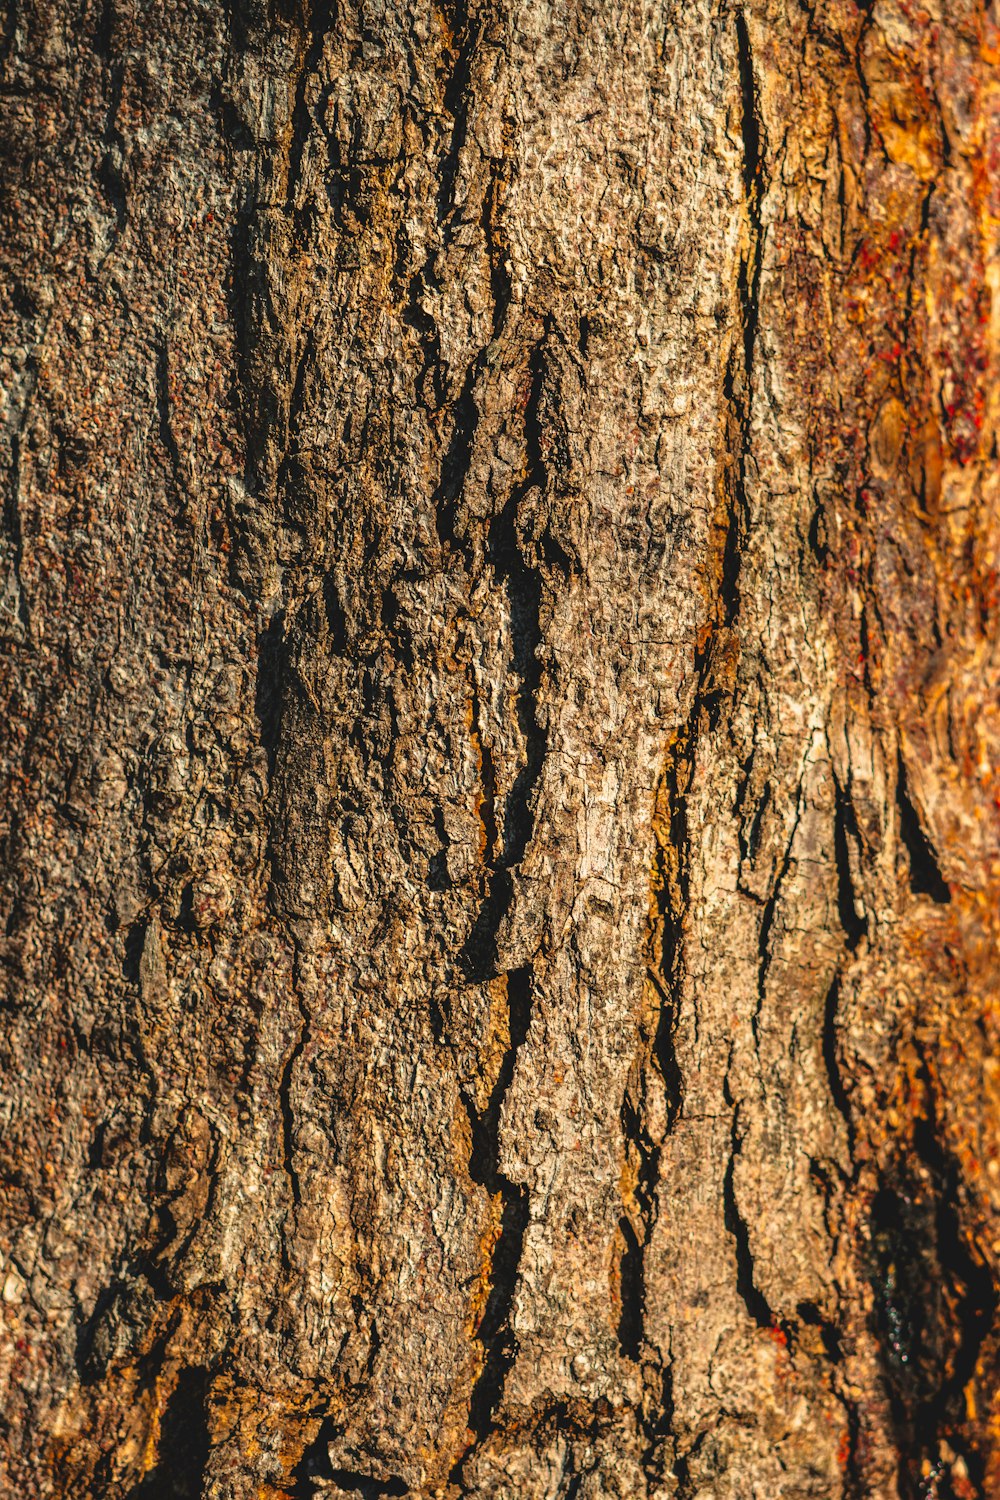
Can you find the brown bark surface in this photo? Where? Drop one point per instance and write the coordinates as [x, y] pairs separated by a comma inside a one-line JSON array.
[[500, 782]]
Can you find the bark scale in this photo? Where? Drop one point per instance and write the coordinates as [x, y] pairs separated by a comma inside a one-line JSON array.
[[500, 670]]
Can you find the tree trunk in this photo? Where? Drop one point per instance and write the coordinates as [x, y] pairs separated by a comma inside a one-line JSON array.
[[501, 783]]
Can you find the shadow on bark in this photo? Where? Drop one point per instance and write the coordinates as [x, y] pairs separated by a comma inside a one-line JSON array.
[[935, 1303], [184, 1443]]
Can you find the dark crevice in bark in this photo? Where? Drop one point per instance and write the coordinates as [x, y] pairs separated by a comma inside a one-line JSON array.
[[272, 663], [818, 534], [633, 1290], [845, 827], [682, 1470], [91, 1358], [314, 1467], [671, 900], [497, 249], [108, 173], [808, 1312], [458, 457], [292, 484], [415, 316], [458, 100], [737, 385], [184, 1444], [285, 1101], [363, 1485], [753, 170], [113, 186], [134, 947], [754, 1300], [524, 593], [665, 1047], [494, 1332], [487, 805], [395, 625], [269, 706], [749, 837], [764, 951], [457, 460], [663, 973], [465, 412], [656, 1419], [438, 878], [250, 301], [935, 1303], [822, 1172], [834, 1077], [321, 16], [636, 1237], [336, 618], [926, 878], [663, 956], [171, 1248], [854, 1486]]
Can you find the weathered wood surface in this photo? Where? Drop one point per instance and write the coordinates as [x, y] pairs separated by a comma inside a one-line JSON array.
[[502, 757]]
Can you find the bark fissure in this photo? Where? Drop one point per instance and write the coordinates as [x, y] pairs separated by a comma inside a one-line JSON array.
[[838, 1092], [765, 952], [287, 1110], [926, 878], [738, 383], [845, 827], [752, 1297], [494, 1332], [523, 586]]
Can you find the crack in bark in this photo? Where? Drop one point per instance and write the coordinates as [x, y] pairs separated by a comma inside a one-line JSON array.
[[764, 953], [749, 838], [845, 826], [838, 1092], [320, 21], [458, 102], [184, 1442], [458, 456], [494, 1332], [753, 1298], [663, 974], [457, 460], [524, 592], [926, 878], [737, 385], [285, 1102], [365, 1486]]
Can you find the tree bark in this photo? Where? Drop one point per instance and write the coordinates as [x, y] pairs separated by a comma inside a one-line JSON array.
[[501, 782]]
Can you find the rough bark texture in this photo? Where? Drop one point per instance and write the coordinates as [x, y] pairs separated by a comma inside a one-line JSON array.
[[502, 761]]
